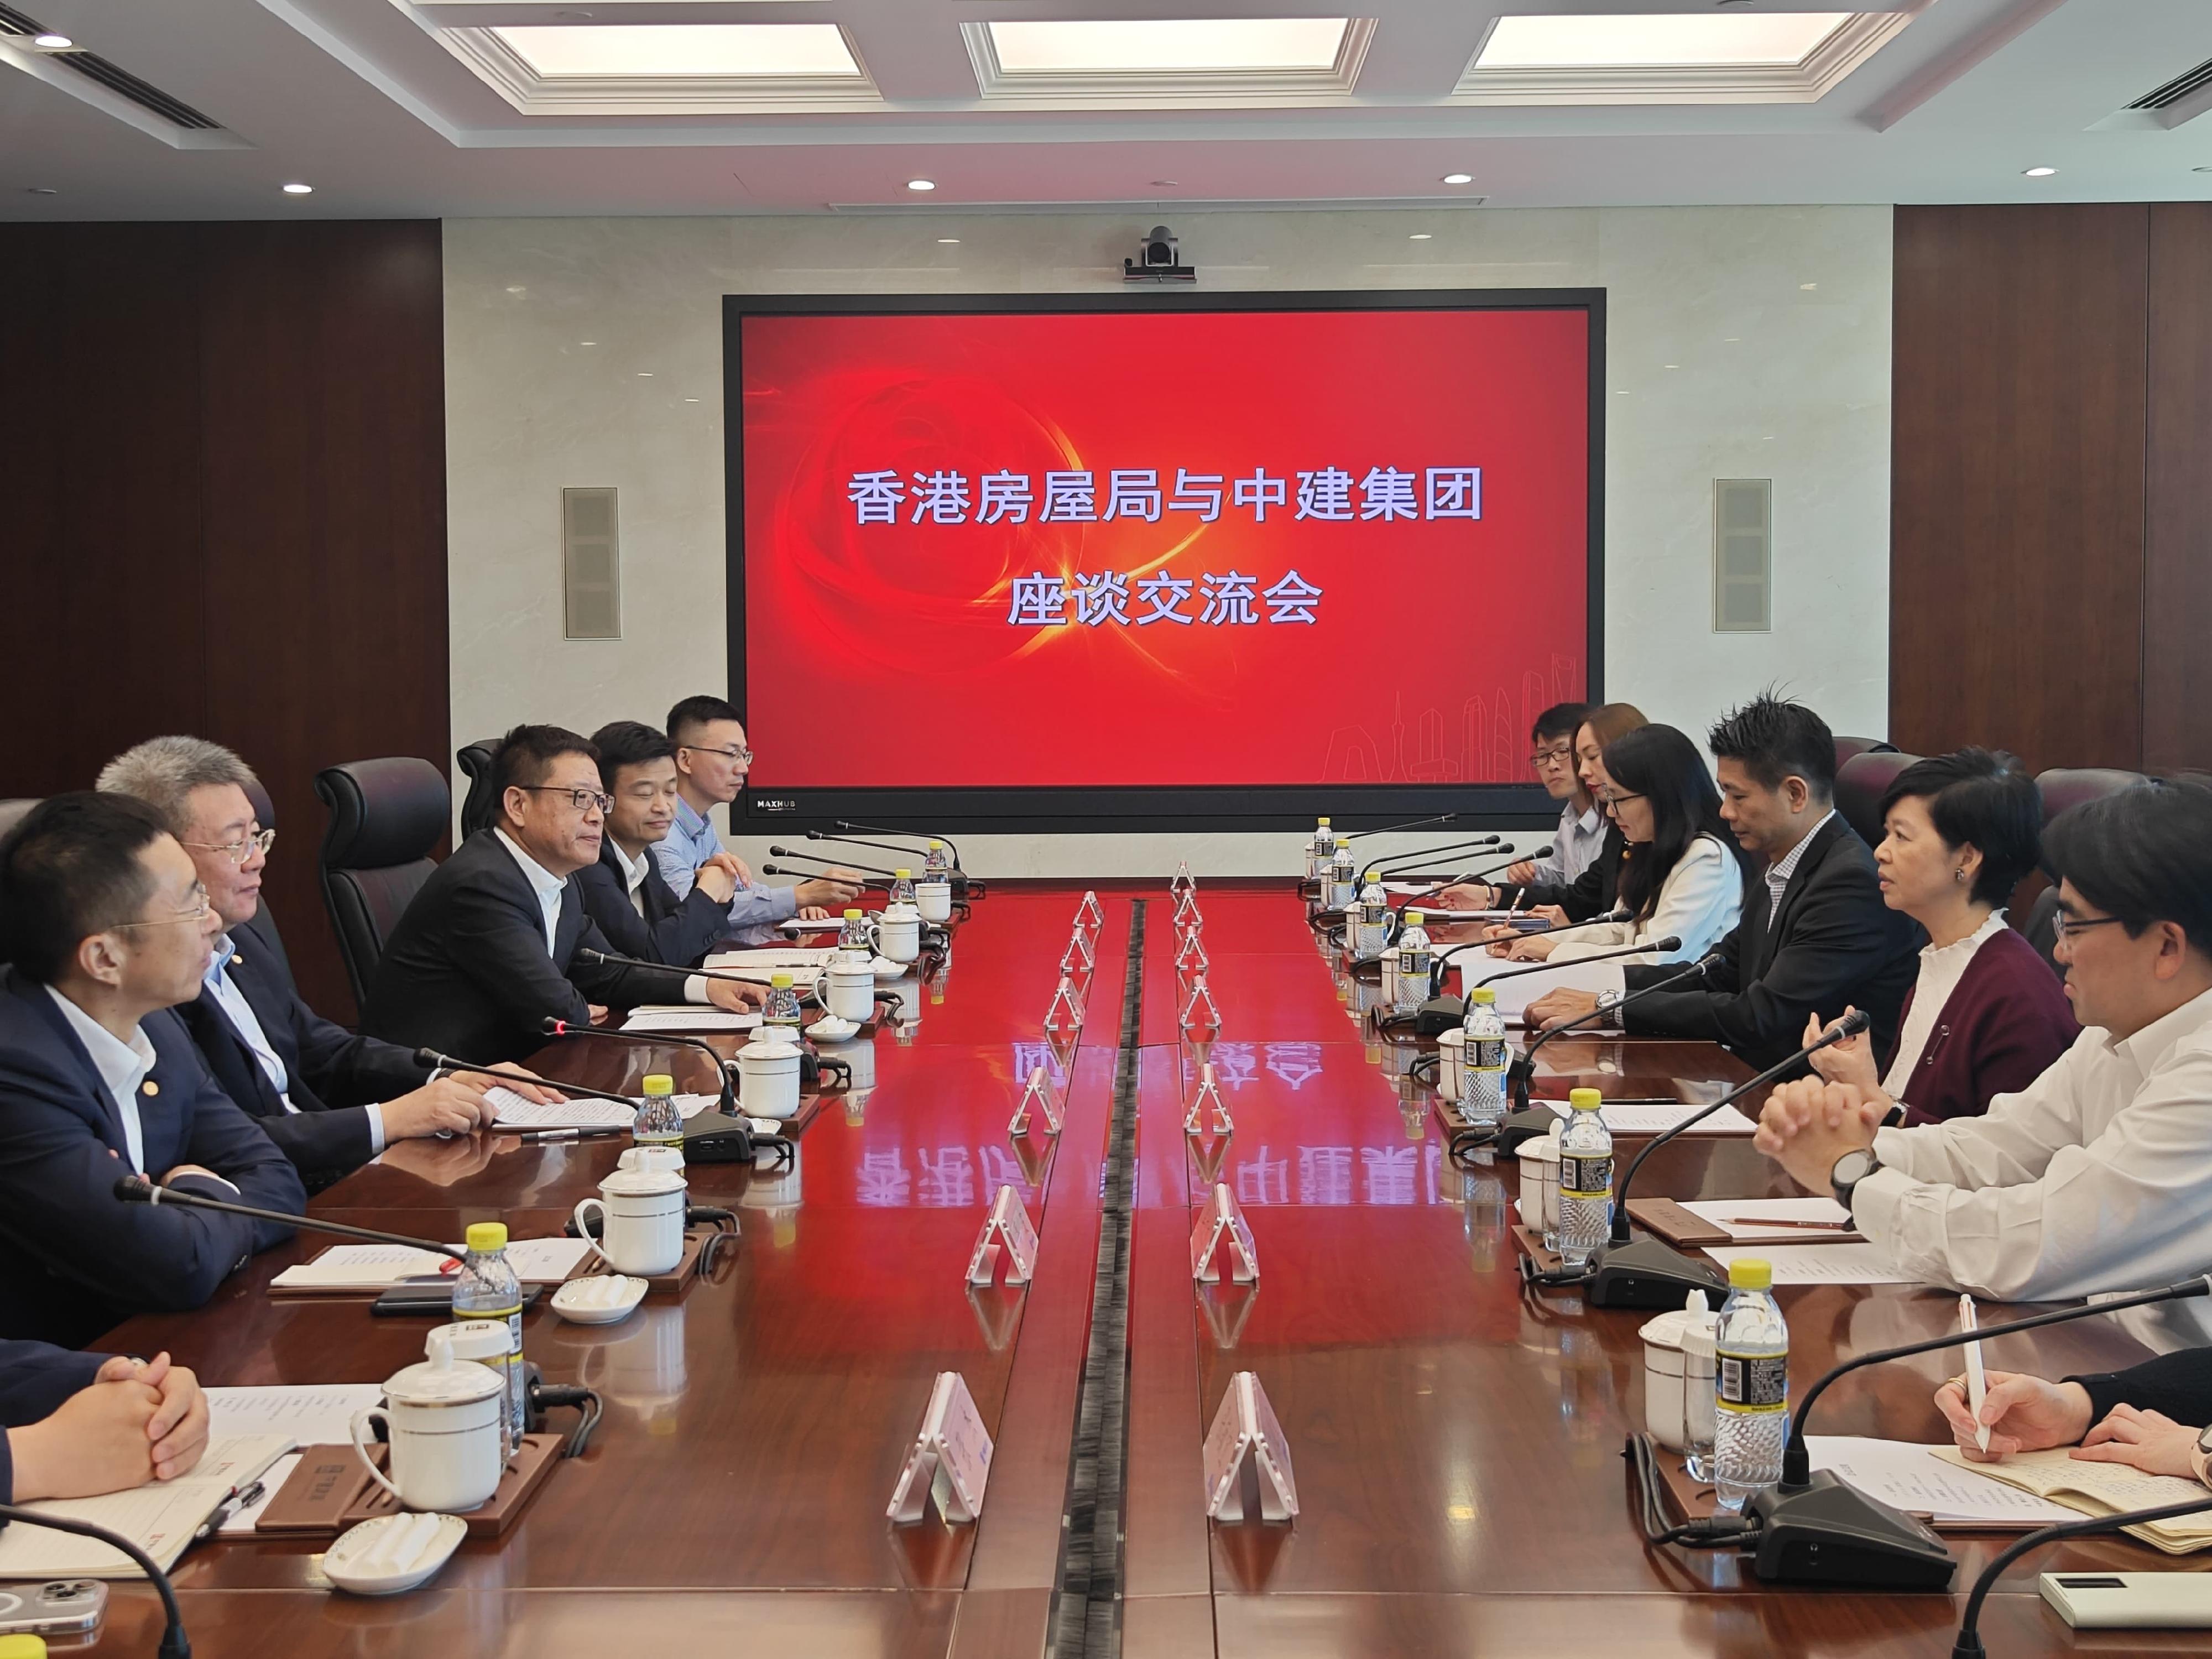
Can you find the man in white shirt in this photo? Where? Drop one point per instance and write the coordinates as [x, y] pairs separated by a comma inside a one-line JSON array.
[[2094, 1177], [106, 929]]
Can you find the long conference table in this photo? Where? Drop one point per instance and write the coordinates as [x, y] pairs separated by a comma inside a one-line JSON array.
[[1456, 1438]]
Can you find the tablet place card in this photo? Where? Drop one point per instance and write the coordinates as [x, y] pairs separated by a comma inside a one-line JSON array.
[[1065, 1013], [1007, 1232], [1078, 954], [1223, 1218], [1039, 1095], [1089, 914], [1190, 954], [951, 1460], [1184, 882], [1186, 910], [1245, 1428], [1199, 1011], [1208, 1095]]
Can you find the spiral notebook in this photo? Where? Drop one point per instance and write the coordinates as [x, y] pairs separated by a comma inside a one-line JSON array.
[[159, 1517]]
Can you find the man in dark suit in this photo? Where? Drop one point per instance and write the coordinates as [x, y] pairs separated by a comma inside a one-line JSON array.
[[1814, 933], [497, 942], [78, 1424], [624, 893], [331, 1100], [107, 930]]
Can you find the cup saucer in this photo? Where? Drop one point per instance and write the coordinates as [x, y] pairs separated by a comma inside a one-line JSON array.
[[831, 1029]]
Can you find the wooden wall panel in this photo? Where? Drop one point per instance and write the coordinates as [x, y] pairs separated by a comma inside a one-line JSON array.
[[2017, 507], [232, 438], [2177, 715]]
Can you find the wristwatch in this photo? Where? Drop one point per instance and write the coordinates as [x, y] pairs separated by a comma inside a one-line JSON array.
[[2200, 1461], [1608, 1004], [1851, 1168]]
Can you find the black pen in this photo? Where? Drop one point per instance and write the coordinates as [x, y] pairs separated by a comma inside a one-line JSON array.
[[537, 1137], [228, 1508]]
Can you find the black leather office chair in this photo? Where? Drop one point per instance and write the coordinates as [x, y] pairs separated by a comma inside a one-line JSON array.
[[385, 816], [13, 811], [2062, 786], [1851, 748], [480, 806], [1862, 782]]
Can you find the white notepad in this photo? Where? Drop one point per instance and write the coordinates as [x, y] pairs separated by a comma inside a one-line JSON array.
[[309, 1414], [1921, 1480], [159, 1517], [1739, 1217], [516, 1114], [689, 1016], [380, 1267], [1626, 1117], [1818, 1264]]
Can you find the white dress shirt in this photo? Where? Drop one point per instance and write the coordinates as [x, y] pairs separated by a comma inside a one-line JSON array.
[[1779, 871], [1699, 902], [550, 887], [2091, 1179], [1575, 845], [1942, 968], [231, 1000], [632, 875]]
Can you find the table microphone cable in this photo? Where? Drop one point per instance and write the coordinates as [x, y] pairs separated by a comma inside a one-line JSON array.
[[1708, 1532], [174, 1643]]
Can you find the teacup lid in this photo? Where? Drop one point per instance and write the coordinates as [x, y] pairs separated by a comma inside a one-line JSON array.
[[641, 1183], [766, 1038], [901, 911], [1665, 1330], [438, 1381]]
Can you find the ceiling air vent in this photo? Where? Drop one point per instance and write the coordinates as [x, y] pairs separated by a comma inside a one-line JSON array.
[[2174, 91], [119, 84]]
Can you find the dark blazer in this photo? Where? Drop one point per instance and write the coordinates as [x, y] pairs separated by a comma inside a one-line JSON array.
[[467, 971], [35, 1378], [678, 931], [1834, 942], [73, 1260], [2004, 1023], [335, 1075], [2177, 1384], [1590, 894]]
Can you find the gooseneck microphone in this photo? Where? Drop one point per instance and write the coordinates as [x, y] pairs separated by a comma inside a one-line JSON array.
[[1506, 863], [1399, 860], [950, 845], [174, 1643], [1619, 913], [446, 1062], [140, 1189], [1521, 1073], [812, 875], [1393, 829], [787, 853], [1968, 1643], [1651, 1273], [561, 1028]]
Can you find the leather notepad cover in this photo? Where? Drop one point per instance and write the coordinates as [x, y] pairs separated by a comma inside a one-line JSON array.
[[1684, 1229], [327, 1481]]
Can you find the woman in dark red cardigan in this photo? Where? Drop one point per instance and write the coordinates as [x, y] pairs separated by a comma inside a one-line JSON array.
[[1986, 1016]]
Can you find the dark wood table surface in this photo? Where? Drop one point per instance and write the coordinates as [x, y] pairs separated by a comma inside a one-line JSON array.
[[1457, 1440]]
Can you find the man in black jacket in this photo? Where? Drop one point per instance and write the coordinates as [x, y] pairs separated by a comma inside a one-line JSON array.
[[624, 893], [497, 942], [1813, 932], [331, 1100]]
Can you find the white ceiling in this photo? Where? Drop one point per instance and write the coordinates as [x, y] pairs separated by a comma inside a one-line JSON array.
[[360, 99]]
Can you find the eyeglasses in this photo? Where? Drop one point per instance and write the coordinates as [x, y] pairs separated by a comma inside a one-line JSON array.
[[742, 757], [582, 799], [199, 912], [259, 840], [2066, 927], [1614, 797], [1544, 757]]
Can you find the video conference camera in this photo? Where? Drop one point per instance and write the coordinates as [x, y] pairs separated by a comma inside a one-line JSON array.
[[1158, 261]]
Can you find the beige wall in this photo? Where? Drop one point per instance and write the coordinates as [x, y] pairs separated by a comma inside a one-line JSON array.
[[1743, 342]]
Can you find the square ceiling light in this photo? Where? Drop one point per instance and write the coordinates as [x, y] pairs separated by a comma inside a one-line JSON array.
[[622, 51], [1168, 45], [1676, 57]]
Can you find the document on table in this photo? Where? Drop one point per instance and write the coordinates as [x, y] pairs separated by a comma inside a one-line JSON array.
[[308, 1414], [1739, 1217], [1634, 1118], [1515, 994], [2088, 1488], [759, 965], [517, 1114], [688, 1016], [1818, 1264], [160, 1516], [1920, 1481], [380, 1267]]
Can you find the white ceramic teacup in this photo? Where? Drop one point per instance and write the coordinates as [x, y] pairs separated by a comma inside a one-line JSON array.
[[768, 1076], [652, 1160], [1451, 1063], [444, 1421], [899, 933], [641, 1221], [848, 989], [935, 900]]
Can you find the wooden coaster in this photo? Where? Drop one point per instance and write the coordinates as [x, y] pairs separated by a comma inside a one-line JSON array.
[[517, 1487], [326, 1482], [1530, 1243], [679, 1279]]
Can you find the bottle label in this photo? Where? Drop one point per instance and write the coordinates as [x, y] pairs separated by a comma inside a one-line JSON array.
[[1586, 1178], [1413, 963], [1756, 1382], [1490, 1054]]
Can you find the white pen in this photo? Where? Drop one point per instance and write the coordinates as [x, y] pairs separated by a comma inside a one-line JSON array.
[[1977, 1387]]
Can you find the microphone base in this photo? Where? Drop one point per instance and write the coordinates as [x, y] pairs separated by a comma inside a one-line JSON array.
[[1648, 1274], [1438, 1015], [1828, 1533], [1530, 1123], [717, 1138]]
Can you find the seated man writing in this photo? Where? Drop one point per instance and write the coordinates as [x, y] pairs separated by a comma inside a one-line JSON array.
[[2093, 1176], [78, 1424]]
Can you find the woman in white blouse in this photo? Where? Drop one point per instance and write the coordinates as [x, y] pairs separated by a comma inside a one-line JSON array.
[[1682, 875]]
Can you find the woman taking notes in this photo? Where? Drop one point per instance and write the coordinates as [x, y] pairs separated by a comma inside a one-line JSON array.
[[1985, 1017], [1682, 874]]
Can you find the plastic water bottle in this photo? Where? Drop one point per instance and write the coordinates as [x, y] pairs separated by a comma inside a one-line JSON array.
[[1586, 1181], [1372, 925], [1751, 1386], [659, 1122], [902, 888], [1320, 851], [1482, 1072], [936, 863], [1410, 987], [487, 1289], [781, 1014], [1342, 888], [852, 937]]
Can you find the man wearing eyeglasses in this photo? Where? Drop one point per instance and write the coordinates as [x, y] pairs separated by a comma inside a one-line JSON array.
[[711, 762], [2093, 1177], [499, 940], [331, 1100], [107, 929]]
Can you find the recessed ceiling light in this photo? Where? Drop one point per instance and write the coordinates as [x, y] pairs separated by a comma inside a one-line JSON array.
[[1419, 236], [1657, 40], [1733, 339], [645, 374], [691, 50], [1809, 287], [2037, 172], [690, 400], [921, 184], [1176, 184], [51, 42], [299, 189], [2201, 169], [1157, 45], [587, 343], [516, 288], [948, 241], [42, 189], [1670, 365], [1459, 178]]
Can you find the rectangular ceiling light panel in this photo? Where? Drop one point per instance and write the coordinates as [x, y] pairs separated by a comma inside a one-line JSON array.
[[1169, 45], [691, 51], [1676, 57], [1657, 40]]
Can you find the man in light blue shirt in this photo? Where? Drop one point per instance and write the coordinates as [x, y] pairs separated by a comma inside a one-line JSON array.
[[711, 762], [1581, 834]]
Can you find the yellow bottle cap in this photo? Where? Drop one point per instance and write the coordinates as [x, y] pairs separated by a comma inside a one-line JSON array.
[[22, 1645], [660, 1083], [1324, 823], [1750, 1274], [781, 981], [852, 915], [937, 846], [487, 1236], [1344, 841], [1482, 994], [906, 875], [1374, 875], [1415, 918], [1585, 1100]]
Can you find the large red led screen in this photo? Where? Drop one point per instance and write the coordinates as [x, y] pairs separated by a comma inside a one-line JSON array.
[[1179, 549]]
